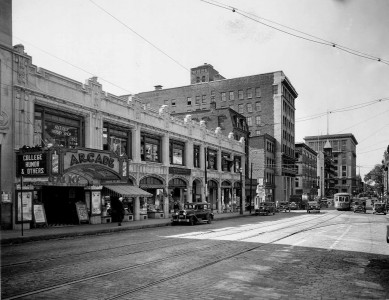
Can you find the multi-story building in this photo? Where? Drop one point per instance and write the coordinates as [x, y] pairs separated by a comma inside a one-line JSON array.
[[230, 123], [330, 172], [343, 155], [266, 100], [385, 168], [75, 146], [6, 112], [321, 174], [263, 165], [306, 161]]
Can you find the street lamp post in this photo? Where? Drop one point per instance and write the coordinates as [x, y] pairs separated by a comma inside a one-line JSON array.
[[241, 191]]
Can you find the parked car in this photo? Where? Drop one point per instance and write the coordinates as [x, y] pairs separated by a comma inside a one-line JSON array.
[[266, 208], [293, 205], [283, 206], [313, 206], [359, 206], [193, 213], [379, 208]]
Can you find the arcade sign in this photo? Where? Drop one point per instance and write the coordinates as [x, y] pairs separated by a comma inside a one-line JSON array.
[[32, 164], [82, 157]]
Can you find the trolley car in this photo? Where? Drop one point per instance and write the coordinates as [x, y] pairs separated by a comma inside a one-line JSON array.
[[342, 201]]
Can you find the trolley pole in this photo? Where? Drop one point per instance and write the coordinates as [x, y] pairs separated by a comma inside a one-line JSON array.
[[241, 192], [21, 200], [251, 186]]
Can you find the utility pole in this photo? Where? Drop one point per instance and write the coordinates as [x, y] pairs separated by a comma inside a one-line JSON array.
[[251, 187]]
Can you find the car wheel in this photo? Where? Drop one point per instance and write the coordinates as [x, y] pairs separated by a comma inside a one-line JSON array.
[[174, 223], [209, 219], [191, 221]]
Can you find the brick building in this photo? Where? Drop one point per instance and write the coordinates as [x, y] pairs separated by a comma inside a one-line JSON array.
[[266, 100], [262, 164]]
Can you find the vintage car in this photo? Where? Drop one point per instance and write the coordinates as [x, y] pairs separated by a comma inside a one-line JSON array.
[[283, 206], [193, 213], [313, 206], [359, 206], [293, 205], [379, 208], [265, 208]]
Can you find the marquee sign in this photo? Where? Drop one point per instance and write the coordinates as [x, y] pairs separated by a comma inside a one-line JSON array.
[[83, 157], [32, 164]]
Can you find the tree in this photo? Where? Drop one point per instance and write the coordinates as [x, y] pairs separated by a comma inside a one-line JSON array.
[[374, 180]]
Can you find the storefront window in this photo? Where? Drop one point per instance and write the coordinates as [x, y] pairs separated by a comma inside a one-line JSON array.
[[196, 156], [57, 128], [212, 159], [177, 153], [150, 149], [117, 140]]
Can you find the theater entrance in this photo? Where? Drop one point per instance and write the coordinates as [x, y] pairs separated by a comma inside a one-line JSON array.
[[60, 204]]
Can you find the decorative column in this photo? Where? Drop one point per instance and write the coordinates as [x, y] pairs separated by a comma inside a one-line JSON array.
[[203, 167], [165, 150], [219, 198], [189, 154], [219, 160], [136, 139]]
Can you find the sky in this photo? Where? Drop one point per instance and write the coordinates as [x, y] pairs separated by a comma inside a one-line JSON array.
[[133, 45]]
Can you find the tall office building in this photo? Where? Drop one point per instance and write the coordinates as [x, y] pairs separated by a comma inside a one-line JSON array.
[[344, 158], [266, 100]]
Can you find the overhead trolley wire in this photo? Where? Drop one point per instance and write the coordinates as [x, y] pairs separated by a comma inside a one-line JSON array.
[[312, 38]]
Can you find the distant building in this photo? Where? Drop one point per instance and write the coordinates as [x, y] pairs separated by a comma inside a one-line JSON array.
[[266, 100], [344, 158], [385, 167], [306, 178], [321, 174], [262, 161]]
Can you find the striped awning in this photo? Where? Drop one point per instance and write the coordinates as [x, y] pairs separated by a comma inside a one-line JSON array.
[[128, 190]]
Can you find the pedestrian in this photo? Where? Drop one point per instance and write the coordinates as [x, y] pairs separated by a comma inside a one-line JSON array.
[[120, 211], [176, 206]]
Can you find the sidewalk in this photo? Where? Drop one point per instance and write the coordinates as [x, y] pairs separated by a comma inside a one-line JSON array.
[[36, 234]]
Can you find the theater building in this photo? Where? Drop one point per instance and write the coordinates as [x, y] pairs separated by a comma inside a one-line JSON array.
[[75, 147]]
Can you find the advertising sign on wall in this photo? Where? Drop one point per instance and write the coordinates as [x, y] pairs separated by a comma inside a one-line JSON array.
[[96, 202]]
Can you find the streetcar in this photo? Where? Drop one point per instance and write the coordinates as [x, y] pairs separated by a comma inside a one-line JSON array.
[[342, 201]]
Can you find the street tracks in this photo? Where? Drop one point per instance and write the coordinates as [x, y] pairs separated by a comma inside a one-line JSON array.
[[189, 256]]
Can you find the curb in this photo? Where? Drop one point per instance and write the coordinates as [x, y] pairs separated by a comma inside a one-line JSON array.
[[53, 236]]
